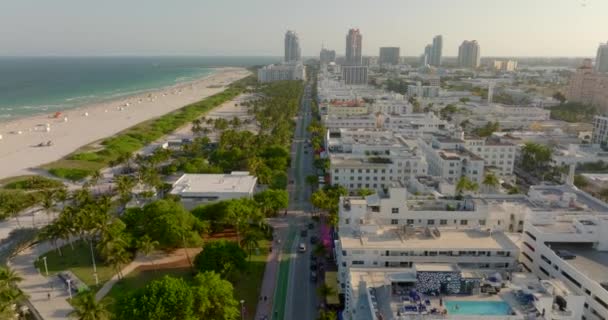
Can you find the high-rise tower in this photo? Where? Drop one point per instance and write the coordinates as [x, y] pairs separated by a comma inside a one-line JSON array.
[[292, 47], [353, 47], [468, 54]]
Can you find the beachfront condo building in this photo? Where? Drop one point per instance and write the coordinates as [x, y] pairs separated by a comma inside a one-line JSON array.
[[292, 47], [281, 72]]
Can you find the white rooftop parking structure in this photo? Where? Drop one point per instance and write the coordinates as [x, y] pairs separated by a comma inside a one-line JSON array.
[[196, 189]]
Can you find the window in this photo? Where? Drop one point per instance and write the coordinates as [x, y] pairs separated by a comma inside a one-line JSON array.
[[443, 222], [530, 235], [567, 276], [409, 221], [529, 246], [336, 178], [336, 171], [545, 259], [430, 222], [358, 262], [395, 210], [464, 222], [600, 301], [482, 222], [394, 221], [544, 271], [347, 221], [527, 256]]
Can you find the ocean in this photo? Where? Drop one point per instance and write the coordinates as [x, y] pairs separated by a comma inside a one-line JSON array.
[[36, 85]]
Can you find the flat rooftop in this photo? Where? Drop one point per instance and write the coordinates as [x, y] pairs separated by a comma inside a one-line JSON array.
[[450, 239], [194, 184], [592, 263]]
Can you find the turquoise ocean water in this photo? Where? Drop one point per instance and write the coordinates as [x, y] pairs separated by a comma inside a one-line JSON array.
[[46, 84]]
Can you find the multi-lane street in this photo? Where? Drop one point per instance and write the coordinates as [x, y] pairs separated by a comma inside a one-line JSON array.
[[296, 296]]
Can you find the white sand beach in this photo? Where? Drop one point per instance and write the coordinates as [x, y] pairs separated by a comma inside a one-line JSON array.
[[23, 141]]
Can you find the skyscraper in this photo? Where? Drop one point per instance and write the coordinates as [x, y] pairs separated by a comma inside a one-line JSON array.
[[426, 56], [292, 47], [436, 50], [468, 54], [353, 47], [389, 55], [601, 60], [326, 56]]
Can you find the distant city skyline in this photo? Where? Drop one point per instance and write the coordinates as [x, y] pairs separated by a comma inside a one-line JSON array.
[[552, 28]]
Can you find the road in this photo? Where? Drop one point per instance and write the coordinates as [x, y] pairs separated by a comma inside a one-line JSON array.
[[295, 295]]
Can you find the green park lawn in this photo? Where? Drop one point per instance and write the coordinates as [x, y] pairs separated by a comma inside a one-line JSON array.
[[78, 261]]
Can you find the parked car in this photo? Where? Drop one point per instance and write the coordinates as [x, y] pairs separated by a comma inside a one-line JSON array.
[[303, 233], [314, 240], [302, 247], [313, 276], [311, 225], [313, 267]]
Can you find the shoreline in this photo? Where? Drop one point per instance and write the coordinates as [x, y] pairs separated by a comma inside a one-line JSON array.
[[111, 98], [23, 143]]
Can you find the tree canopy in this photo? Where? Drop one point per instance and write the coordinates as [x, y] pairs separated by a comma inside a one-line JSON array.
[[165, 221], [221, 256]]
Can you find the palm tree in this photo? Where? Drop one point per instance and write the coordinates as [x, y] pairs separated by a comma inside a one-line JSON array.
[[491, 181], [8, 277], [465, 184], [62, 196], [146, 245], [124, 185], [250, 241], [47, 201], [86, 307], [319, 250], [196, 126], [327, 315], [324, 291]]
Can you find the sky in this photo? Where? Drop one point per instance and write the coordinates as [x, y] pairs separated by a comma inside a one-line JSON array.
[[257, 27]]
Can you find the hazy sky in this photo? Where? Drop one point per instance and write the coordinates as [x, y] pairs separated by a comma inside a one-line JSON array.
[[256, 27]]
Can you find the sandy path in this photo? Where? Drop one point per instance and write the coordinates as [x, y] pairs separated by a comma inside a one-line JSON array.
[[19, 153]]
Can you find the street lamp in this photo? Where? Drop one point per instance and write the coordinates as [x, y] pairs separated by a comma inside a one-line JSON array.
[[242, 310], [46, 268]]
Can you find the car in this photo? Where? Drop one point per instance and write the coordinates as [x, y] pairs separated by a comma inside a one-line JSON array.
[[314, 240], [313, 276], [304, 233], [311, 225], [302, 247], [313, 267], [305, 151], [313, 258]]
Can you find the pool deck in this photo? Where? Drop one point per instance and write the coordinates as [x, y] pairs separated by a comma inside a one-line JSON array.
[[505, 295]]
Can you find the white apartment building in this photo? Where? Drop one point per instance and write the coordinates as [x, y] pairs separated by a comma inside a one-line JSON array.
[[495, 153], [574, 249], [382, 235], [371, 159], [281, 72], [392, 106], [410, 125], [354, 75], [509, 117], [423, 91], [449, 159], [198, 189]]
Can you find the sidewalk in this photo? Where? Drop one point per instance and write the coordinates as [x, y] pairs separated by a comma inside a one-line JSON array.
[[269, 283], [38, 287]]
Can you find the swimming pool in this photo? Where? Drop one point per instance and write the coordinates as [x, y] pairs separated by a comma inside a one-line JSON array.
[[484, 308]]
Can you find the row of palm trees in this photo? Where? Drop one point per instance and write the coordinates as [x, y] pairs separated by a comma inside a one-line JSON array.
[[10, 295]]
